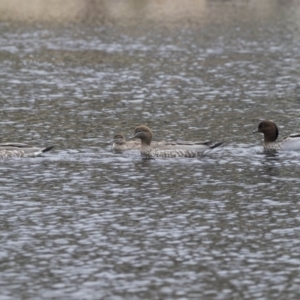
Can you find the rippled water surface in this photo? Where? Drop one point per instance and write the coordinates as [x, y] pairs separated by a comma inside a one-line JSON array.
[[84, 222]]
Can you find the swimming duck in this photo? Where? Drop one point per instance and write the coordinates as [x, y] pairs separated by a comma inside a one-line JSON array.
[[120, 143], [270, 131], [177, 149], [9, 150]]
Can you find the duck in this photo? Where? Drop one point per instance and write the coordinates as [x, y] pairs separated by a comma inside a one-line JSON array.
[[176, 149], [10, 150], [270, 131], [121, 144]]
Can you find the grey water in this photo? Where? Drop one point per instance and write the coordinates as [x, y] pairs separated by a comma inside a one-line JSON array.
[[85, 222]]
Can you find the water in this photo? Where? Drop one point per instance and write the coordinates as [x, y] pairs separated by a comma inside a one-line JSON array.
[[83, 222]]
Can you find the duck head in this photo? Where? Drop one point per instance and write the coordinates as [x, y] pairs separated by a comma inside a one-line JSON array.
[[144, 133], [119, 139], [269, 129]]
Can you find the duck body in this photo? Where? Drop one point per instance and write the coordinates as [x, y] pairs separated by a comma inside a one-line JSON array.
[[10, 150], [172, 149], [291, 142], [168, 153], [288, 143], [271, 132], [198, 146]]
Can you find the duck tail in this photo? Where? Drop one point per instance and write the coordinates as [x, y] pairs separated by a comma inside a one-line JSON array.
[[215, 145], [47, 149]]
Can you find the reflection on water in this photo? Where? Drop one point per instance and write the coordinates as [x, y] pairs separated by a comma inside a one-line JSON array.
[[84, 222]]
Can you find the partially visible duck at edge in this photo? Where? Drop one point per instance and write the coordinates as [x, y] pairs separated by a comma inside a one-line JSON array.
[[179, 149], [10, 150], [120, 143], [270, 131]]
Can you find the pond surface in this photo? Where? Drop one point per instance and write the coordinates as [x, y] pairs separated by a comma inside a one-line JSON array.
[[84, 222]]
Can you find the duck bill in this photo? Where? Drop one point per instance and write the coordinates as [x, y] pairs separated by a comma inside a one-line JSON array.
[[255, 131], [132, 137]]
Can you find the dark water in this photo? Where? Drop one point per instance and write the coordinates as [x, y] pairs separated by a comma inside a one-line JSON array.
[[83, 222]]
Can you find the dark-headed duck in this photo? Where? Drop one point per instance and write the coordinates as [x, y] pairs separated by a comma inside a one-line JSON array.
[[270, 131]]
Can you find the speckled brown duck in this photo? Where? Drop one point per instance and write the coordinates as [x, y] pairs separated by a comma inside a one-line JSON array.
[[10, 150], [176, 149], [270, 131]]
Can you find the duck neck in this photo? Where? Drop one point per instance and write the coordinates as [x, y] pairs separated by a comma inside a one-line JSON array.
[[145, 146], [270, 137]]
